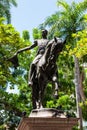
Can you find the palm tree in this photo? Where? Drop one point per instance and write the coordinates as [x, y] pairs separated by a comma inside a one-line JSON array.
[[5, 6], [68, 20]]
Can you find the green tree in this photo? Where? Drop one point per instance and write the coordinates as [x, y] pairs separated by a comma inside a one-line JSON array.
[[68, 20], [25, 35], [81, 52], [36, 33], [5, 6], [12, 105]]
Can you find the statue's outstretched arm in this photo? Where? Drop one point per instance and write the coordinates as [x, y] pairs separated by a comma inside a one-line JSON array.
[[14, 58], [27, 48]]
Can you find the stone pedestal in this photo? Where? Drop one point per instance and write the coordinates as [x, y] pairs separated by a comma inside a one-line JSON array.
[[47, 119], [37, 123]]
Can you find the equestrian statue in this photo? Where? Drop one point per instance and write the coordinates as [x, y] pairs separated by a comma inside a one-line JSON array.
[[43, 69]]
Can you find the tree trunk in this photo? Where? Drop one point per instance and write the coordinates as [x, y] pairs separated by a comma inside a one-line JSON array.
[[77, 87], [83, 98]]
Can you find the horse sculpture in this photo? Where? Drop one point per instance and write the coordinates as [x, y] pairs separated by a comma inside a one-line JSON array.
[[46, 71]]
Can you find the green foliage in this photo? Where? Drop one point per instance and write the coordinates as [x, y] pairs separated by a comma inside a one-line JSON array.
[[83, 105], [75, 128], [36, 33], [65, 101], [12, 105], [25, 35], [80, 50], [9, 42], [5, 6]]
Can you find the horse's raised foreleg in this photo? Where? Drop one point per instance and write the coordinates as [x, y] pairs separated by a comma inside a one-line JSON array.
[[55, 84]]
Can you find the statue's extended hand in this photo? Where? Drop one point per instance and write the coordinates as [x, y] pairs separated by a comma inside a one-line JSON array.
[[14, 60]]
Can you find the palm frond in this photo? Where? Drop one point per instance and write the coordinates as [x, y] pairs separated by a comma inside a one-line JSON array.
[[5, 6], [63, 4], [13, 2]]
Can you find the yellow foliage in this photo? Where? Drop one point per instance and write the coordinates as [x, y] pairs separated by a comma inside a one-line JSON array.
[[80, 48]]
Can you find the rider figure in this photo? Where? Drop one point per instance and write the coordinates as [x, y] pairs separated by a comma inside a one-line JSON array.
[[41, 43]]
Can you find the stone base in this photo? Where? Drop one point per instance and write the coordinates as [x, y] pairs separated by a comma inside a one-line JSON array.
[[47, 119], [47, 112], [37, 123]]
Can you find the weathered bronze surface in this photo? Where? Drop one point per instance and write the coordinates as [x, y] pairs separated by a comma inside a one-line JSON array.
[[43, 69]]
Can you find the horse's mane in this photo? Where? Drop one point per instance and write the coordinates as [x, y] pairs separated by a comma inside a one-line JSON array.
[[51, 43], [49, 54]]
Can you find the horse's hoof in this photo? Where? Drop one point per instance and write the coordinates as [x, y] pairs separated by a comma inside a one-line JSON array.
[[56, 96], [30, 83]]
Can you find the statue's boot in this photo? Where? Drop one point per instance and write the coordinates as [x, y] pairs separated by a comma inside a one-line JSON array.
[[31, 75]]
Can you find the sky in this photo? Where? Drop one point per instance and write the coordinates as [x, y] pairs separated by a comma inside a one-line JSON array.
[[31, 13]]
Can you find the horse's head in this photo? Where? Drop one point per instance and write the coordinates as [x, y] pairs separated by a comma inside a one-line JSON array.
[[53, 48], [57, 46]]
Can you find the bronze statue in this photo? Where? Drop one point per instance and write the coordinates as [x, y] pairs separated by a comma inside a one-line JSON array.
[[46, 71], [43, 69], [41, 43]]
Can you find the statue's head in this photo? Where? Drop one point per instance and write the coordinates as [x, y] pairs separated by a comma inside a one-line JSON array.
[[44, 33]]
